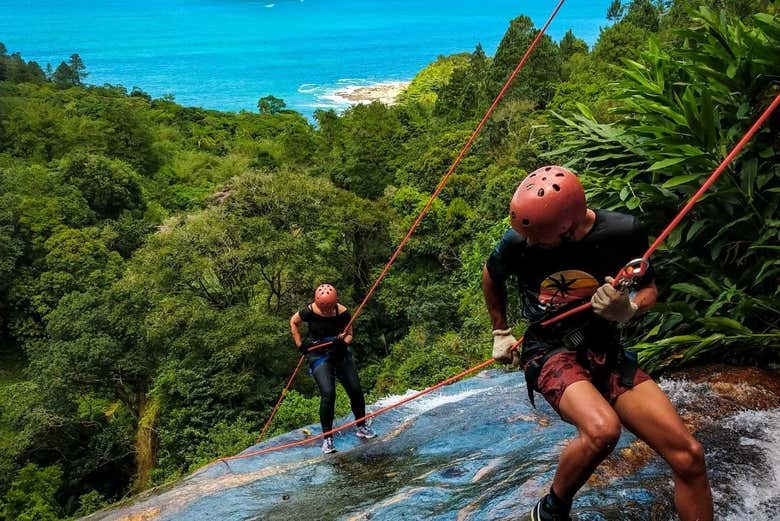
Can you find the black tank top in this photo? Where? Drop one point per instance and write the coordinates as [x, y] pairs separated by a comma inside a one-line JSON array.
[[321, 326]]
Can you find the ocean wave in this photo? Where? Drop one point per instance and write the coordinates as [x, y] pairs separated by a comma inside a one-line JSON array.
[[333, 96], [321, 105], [308, 88], [352, 81]]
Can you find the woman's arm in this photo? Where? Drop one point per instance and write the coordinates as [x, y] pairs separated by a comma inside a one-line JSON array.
[[346, 336], [295, 323]]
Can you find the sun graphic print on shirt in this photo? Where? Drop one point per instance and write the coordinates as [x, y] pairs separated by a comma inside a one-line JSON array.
[[565, 287]]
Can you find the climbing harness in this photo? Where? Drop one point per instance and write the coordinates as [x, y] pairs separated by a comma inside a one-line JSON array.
[[320, 358], [318, 362]]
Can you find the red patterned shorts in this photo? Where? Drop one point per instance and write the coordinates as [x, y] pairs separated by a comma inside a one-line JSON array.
[[563, 369]]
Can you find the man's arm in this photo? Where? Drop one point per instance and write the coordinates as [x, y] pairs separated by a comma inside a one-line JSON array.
[[495, 299], [646, 297]]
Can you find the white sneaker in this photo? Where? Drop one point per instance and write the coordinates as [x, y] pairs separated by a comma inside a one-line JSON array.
[[365, 433], [328, 446]]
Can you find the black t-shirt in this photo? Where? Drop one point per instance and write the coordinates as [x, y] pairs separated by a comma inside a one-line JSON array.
[[321, 326], [556, 279]]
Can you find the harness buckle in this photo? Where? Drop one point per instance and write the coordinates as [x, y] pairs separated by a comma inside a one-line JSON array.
[[573, 339]]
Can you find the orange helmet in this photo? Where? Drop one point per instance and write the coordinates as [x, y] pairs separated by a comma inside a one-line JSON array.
[[547, 204], [326, 295]]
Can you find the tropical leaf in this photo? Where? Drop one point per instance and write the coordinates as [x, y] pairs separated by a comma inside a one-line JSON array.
[[681, 111], [692, 289], [680, 179], [695, 229], [725, 324]]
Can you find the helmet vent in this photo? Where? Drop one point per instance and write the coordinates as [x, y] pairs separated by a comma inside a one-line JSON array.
[[540, 193], [560, 174], [547, 169], [557, 188], [530, 186], [526, 222]]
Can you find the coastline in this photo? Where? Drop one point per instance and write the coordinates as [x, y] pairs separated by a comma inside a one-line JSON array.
[[384, 92], [250, 51]]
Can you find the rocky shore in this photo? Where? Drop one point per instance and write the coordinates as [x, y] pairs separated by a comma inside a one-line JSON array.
[[383, 92]]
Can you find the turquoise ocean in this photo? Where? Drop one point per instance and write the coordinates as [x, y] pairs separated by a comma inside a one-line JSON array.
[[226, 54]]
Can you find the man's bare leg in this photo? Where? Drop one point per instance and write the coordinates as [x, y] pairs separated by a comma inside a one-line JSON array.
[[599, 430], [647, 412]]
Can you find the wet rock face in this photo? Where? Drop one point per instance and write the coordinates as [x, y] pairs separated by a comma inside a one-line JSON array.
[[702, 396], [738, 387], [735, 413], [476, 450]]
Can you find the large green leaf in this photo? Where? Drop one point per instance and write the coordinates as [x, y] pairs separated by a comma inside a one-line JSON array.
[[693, 290], [665, 163], [704, 345], [679, 339], [695, 229], [680, 179], [725, 324]]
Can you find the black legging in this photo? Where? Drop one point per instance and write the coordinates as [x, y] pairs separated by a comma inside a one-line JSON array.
[[343, 368]]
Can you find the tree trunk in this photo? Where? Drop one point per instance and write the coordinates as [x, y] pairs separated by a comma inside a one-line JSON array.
[[146, 442]]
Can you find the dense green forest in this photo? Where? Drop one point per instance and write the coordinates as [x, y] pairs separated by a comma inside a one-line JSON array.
[[151, 254]]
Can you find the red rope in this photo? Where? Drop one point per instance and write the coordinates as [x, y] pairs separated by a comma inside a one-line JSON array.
[[718, 171], [687, 208], [281, 397], [287, 388], [435, 194], [407, 399], [318, 346], [455, 163]]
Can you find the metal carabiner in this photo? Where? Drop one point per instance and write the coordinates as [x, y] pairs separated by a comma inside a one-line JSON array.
[[633, 270]]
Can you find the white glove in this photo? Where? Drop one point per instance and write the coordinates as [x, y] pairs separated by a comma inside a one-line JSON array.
[[613, 304], [502, 344]]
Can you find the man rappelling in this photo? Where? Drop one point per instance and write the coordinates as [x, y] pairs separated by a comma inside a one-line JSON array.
[[562, 254]]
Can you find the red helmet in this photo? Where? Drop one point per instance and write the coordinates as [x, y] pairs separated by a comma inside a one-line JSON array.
[[325, 295], [547, 204]]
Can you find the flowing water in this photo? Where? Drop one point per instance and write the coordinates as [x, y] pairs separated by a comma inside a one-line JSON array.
[[476, 450]]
